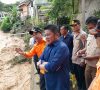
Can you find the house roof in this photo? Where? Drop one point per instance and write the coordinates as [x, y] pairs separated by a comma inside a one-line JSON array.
[[24, 3]]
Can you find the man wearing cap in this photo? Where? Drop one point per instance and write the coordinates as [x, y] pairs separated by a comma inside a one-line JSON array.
[[78, 69], [37, 49], [32, 41], [67, 38]]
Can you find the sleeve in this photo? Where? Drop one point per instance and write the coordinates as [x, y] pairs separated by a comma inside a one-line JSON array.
[[57, 60], [42, 55], [31, 53]]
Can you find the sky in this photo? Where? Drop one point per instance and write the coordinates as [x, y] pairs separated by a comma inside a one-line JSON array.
[[9, 1]]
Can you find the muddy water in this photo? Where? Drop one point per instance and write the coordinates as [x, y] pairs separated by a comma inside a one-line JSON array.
[[17, 77]]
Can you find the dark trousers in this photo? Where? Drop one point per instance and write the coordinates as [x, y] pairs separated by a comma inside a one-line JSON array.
[[35, 62], [42, 82], [42, 79], [80, 76], [90, 73]]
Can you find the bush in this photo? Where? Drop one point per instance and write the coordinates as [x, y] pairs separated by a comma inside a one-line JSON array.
[[6, 25]]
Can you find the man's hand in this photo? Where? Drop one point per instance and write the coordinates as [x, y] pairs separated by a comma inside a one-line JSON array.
[[18, 50], [38, 63], [42, 66], [80, 52]]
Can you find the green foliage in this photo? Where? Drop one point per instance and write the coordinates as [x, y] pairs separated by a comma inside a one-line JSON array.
[[1, 6], [7, 7], [14, 17], [97, 13], [6, 25], [41, 25], [63, 20], [61, 8], [8, 22]]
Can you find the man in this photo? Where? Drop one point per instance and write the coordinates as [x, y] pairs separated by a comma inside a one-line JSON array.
[[31, 44], [92, 51], [68, 40], [55, 60], [32, 40], [36, 50], [78, 69]]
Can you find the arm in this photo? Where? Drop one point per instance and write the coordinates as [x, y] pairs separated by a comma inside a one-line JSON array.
[[92, 57], [81, 51], [31, 53], [26, 54]]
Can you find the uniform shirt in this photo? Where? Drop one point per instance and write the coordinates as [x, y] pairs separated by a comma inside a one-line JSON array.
[[76, 48], [57, 75], [37, 49], [92, 50]]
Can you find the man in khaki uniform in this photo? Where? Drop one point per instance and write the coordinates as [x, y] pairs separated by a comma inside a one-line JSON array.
[[92, 52], [77, 68]]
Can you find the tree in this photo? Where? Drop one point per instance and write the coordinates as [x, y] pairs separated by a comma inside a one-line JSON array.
[[60, 8], [63, 8], [6, 25]]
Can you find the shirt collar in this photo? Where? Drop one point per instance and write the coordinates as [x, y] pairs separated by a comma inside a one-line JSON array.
[[55, 43], [66, 36], [42, 41]]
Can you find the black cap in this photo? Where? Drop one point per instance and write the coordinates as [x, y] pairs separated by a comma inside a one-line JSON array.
[[92, 20], [36, 30]]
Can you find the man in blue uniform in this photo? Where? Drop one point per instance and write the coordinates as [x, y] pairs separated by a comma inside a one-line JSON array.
[[67, 38], [55, 61]]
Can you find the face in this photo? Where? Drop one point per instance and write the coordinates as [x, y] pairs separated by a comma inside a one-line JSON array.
[[91, 28], [50, 36], [38, 36], [62, 31], [34, 34], [76, 27]]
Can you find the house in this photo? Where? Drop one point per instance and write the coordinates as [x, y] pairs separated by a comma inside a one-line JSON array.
[[24, 9], [31, 8]]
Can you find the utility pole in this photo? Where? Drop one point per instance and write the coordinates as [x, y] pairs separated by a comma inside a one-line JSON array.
[[83, 13]]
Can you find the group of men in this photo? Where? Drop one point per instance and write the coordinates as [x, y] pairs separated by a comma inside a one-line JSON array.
[[70, 52]]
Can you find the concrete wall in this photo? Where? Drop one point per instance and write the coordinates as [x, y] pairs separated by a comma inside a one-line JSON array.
[[90, 7]]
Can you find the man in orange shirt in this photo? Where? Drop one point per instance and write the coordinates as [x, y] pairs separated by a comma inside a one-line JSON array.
[[37, 49], [38, 46]]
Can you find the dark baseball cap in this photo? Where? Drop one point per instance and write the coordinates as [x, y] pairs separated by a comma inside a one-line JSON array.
[[36, 30]]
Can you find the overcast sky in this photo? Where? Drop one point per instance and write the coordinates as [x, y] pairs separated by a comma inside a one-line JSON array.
[[9, 1]]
